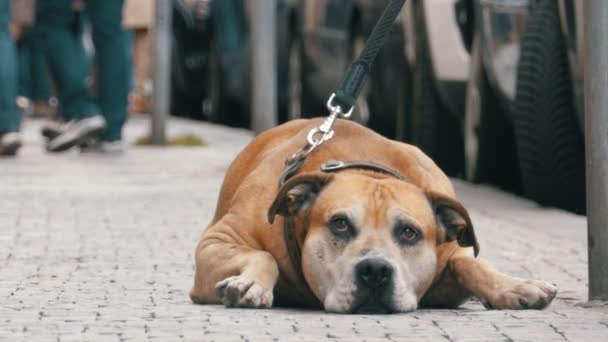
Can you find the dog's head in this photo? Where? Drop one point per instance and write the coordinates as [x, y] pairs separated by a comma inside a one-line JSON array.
[[369, 243]]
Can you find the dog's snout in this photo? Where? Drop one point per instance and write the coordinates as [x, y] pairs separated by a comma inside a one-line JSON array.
[[374, 272]]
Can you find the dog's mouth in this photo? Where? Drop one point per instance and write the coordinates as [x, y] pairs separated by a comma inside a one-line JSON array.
[[373, 309], [368, 302]]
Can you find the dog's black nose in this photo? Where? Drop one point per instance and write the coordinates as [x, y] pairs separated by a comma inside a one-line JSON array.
[[374, 273]]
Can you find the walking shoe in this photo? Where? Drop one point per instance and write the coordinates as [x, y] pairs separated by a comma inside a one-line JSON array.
[[102, 146], [77, 132], [114, 146], [52, 129], [9, 143]]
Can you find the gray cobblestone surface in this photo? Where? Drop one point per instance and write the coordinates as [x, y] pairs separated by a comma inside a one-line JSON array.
[[96, 248]]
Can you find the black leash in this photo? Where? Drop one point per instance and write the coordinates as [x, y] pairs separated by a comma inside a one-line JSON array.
[[356, 74], [348, 91]]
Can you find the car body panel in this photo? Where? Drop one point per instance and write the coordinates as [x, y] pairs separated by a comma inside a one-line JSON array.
[[448, 49], [449, 55], [503, 24]]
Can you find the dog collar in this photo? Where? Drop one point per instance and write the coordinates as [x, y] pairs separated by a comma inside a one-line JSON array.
[[335, 166]]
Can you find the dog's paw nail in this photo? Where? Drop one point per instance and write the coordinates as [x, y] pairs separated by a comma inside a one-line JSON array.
[[239, 291], [487, 305], [528, 294], [523, 303]]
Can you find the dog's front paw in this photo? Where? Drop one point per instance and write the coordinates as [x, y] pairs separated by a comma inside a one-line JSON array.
[[241, 292], [522, 294]]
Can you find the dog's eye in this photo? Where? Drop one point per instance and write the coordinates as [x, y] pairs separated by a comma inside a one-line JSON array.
[[340, 226], [408, 235]]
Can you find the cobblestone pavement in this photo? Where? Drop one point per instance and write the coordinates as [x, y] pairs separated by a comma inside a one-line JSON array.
[[96, 247]]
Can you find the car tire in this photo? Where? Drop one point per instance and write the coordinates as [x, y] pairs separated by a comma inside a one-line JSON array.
[[549, 141], [435, 131], [490, 154], [390, 84]]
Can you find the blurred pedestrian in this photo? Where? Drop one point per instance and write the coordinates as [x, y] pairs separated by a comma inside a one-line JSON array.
[[59, 33], [138, 16], [10, 116], [33, 76]]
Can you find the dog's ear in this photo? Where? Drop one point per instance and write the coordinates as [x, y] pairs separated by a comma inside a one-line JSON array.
[[453, 221], [297, 194]]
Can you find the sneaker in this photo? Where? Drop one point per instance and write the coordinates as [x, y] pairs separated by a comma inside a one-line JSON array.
[[9, 143], [77, 132], [99, 146], [52, 129], [114, 146]]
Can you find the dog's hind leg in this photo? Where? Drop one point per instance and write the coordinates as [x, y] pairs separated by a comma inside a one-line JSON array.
[[233, 274], [497, 290]]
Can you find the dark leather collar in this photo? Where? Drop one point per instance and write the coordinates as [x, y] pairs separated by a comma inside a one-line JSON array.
[[334, 166]]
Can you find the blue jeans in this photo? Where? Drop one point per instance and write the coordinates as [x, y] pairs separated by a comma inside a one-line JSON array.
[[10, 116]]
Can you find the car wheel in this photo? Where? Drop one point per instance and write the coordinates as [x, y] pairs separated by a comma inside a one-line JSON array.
[[434, 130], [390, 89], [549, 142], [490, 155]]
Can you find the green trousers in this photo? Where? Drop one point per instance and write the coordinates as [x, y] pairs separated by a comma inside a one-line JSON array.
[[58, 33], [10, 116], [33, 72]]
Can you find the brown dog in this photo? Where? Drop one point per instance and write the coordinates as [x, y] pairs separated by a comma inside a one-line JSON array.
[[352, 239]]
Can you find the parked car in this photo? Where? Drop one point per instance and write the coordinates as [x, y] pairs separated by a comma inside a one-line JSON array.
[[211, 59], [525, 99], [331, 35]]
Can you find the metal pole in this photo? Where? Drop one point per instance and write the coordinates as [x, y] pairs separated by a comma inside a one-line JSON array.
[[161, 72], [596, 141], [263, 66]]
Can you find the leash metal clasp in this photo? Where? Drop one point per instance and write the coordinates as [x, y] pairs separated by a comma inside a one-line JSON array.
[[315, 138], [326, 128]]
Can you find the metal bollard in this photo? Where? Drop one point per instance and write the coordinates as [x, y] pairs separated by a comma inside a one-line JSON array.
[[596, 141], [161, 71], [263, 66]]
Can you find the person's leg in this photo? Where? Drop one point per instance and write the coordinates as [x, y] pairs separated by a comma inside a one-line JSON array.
[[39, 74], [141, 62], [23, 61], [33, 76], [111, 48], [57, 38], [10, 116], [58, 34]]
